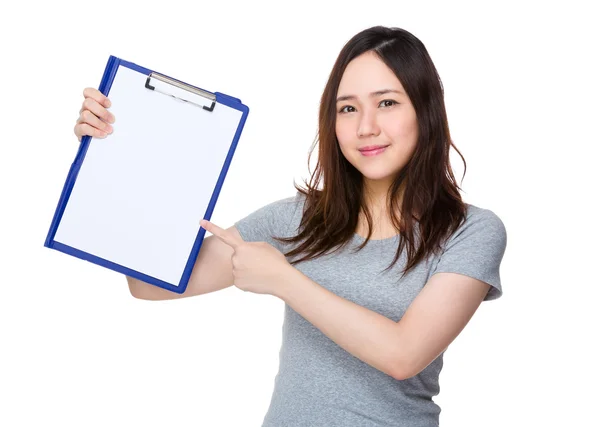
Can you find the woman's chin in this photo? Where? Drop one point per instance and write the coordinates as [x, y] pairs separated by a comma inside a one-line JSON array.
[[376, 175]]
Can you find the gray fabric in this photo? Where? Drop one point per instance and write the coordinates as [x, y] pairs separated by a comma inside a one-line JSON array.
[[321, 384]]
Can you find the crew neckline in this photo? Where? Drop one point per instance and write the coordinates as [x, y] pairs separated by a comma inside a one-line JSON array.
[[376, 241]]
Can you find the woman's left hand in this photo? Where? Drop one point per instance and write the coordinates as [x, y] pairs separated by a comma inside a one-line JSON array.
[[257, 266]]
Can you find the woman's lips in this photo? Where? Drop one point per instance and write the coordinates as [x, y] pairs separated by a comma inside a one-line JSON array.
[[372, 152]]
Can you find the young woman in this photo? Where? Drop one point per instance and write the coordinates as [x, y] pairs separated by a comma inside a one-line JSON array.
[[379, 261]]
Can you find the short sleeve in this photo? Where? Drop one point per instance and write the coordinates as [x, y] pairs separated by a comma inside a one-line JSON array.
[[270, 220], [476, 250]]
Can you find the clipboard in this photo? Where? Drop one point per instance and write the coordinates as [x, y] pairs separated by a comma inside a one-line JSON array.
[[132, 201]]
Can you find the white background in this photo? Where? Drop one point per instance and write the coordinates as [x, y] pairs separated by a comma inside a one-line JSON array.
[[521, 84]]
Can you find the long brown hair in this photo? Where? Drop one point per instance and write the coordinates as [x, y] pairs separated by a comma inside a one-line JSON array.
[[429, 192]]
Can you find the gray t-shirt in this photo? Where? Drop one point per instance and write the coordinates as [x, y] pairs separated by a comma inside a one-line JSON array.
[[319, 384]]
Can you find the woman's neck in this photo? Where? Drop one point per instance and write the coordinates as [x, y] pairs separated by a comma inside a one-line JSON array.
[[377, 205]]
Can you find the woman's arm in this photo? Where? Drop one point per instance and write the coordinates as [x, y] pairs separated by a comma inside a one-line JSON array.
[[212, 271], [403, 349]]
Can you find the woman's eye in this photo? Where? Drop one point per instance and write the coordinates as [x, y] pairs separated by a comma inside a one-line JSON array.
[[385, 103], [388, 102]]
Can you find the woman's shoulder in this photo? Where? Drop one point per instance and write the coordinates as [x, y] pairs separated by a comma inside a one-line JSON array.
[[270, 219], [476, 249], [481, 225], [289, 205], [478, 214], [285, 204]]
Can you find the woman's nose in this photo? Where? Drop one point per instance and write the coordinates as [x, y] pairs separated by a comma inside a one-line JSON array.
[[368, 124]]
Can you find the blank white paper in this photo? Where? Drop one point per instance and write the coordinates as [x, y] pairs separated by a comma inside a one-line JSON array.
[[141, 191]]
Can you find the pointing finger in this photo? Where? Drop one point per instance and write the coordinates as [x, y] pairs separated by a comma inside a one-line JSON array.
[[220, 233]]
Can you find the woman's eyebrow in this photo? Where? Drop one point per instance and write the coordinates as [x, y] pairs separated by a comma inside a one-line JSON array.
[[372, 94]]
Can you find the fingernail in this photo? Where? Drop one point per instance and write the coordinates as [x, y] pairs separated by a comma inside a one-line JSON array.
[[109, 129], [108, 103], [112, 118]]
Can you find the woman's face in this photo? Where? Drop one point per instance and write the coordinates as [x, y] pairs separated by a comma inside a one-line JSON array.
[[373, 109]]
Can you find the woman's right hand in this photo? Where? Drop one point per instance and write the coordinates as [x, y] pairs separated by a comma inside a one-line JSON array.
[[94, 118]]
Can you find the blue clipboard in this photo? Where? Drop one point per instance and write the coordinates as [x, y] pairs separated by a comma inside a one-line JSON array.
[[132, 202]]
